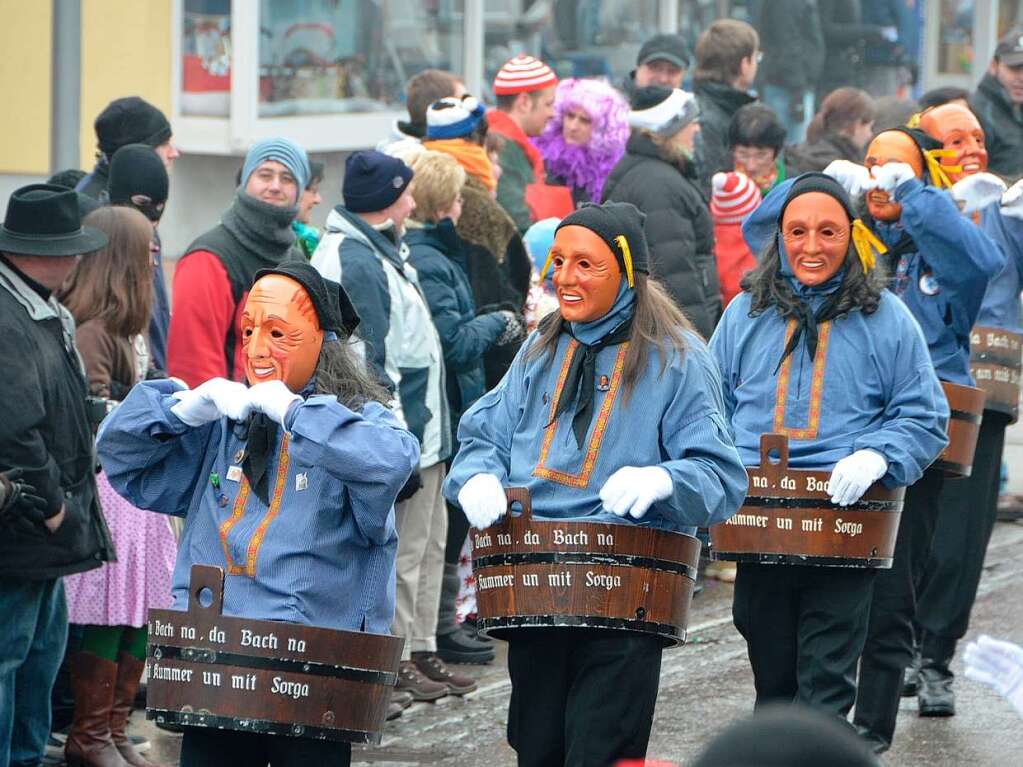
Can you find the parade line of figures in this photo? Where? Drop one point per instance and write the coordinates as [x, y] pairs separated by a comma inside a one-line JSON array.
[[605, 298]]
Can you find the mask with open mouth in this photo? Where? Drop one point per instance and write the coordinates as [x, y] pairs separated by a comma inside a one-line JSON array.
[[816, 231], [891, 146], [586, 274], [959, 132]]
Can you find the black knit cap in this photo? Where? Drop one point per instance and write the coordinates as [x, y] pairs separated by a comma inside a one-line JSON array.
[[130, 120], [818, 182], [137, 169], [333, 306], [611, 221]]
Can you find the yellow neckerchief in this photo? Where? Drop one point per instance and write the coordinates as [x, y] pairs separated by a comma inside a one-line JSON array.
[[866, 242]]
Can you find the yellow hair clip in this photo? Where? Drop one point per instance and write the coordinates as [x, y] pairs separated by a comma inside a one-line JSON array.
[[623, 243], [866, 243], [938, 172], [914, 121]]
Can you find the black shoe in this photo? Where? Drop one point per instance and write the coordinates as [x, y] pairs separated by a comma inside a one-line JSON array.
[[911, 678], [876, 743], [936, 696], [460, 647]]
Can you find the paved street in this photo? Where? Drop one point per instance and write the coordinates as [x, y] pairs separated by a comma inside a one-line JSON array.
[[707, 683]]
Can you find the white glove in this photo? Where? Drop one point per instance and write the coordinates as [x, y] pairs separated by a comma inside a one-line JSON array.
[[272, 398], [974, 192], [854, 474], [999, 665], [483, 500], [634, 489], [891, 174], [890, 34], [211, 400], [1012, 201], [853, 177]]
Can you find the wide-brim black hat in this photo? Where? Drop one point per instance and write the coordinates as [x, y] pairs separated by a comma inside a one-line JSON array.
[[334, 308], [44, 220]]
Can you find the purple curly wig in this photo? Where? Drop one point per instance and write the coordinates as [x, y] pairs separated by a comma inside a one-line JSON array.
[[586, 167]]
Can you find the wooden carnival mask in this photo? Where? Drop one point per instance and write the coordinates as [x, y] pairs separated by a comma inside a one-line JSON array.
[[816, 232], [891, 146], [281, 333], [959, 131], [586, 274]]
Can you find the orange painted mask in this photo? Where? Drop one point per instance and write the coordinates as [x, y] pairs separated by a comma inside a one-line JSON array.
[[957, 128], [816, 232], [281, 334], [891, 146], [586, 274]]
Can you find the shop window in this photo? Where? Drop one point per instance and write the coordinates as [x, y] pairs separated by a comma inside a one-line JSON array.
[[206, 58]]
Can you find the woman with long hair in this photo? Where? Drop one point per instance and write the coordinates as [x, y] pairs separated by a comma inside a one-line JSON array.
[[110, 295], [839, 131]]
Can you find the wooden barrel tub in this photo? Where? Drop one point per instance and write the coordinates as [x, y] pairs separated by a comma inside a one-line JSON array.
[[966, 410]]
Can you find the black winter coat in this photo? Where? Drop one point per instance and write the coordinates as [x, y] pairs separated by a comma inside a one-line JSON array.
[[1003, 127], [846, 39], [45, 430], [718, 103], [679, 229], [793, 44], [816, 156]]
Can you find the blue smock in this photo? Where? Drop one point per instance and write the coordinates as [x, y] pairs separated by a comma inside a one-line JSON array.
[[322, 553], [1001, 305]]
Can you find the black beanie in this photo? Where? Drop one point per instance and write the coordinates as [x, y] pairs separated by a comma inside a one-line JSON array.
[[130, 120], [333, 306], [138, 169], [611, 221], [373, 181], [818, 182]]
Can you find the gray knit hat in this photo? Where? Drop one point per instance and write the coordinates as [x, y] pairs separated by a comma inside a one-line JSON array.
[[282, 150]]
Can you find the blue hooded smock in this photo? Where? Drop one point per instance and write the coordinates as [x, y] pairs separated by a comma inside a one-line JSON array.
[[673, 419], [1001, 306], [322, 553]]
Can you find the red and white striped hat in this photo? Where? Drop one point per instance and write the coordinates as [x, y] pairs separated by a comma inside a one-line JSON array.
[[734, 197], [523, 74]]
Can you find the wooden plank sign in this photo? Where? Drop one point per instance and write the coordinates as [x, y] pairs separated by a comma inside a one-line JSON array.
[[206, 669], [788, 518], [532, 572], [995, 361]]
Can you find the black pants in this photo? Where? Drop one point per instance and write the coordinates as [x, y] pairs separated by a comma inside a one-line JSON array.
[[581, 697], [968, 510], [889, 646], [202, 747], [804, 628]]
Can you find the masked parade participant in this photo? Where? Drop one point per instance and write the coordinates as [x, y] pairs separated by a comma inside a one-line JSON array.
[[952, 572], [939, 264], [844, 372], [611, 412], [288, 485]]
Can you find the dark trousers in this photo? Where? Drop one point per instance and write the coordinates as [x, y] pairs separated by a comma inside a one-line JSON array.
[[889, 646], [804, 628], [581, 697], [968, 510], [202, 747]]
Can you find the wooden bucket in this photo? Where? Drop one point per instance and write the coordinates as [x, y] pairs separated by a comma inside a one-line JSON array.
[[206, 669], [532, 572], [966, 410], [788, 518], [995, 360]]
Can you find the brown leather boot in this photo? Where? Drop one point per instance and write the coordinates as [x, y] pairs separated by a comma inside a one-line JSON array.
[[89, 743], [129, 673]]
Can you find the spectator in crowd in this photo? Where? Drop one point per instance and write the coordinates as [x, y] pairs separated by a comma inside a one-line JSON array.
[[998, 104], [735, 196], [214, 276], [308, 236], [839, 131], [67, 178], [949, 94], [893, 112], [110, 295], [363, 247], [662, 60], [727, 55], [658, 176], [496, 261], [524, 88], [846, 39], [542, 299], [422, 89], [50, 519], [884, 63], [138, 179], [436, 251], [757, 138], [585, 138], [793, 43]]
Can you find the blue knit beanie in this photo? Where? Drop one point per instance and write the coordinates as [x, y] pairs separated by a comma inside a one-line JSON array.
[[373, 181], [282, 150]]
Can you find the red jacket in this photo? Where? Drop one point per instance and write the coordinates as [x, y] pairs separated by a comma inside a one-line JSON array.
[[734, 259]]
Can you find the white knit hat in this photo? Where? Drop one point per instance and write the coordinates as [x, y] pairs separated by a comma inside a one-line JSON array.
[[523, 74], [664, 111], [734, 197]]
